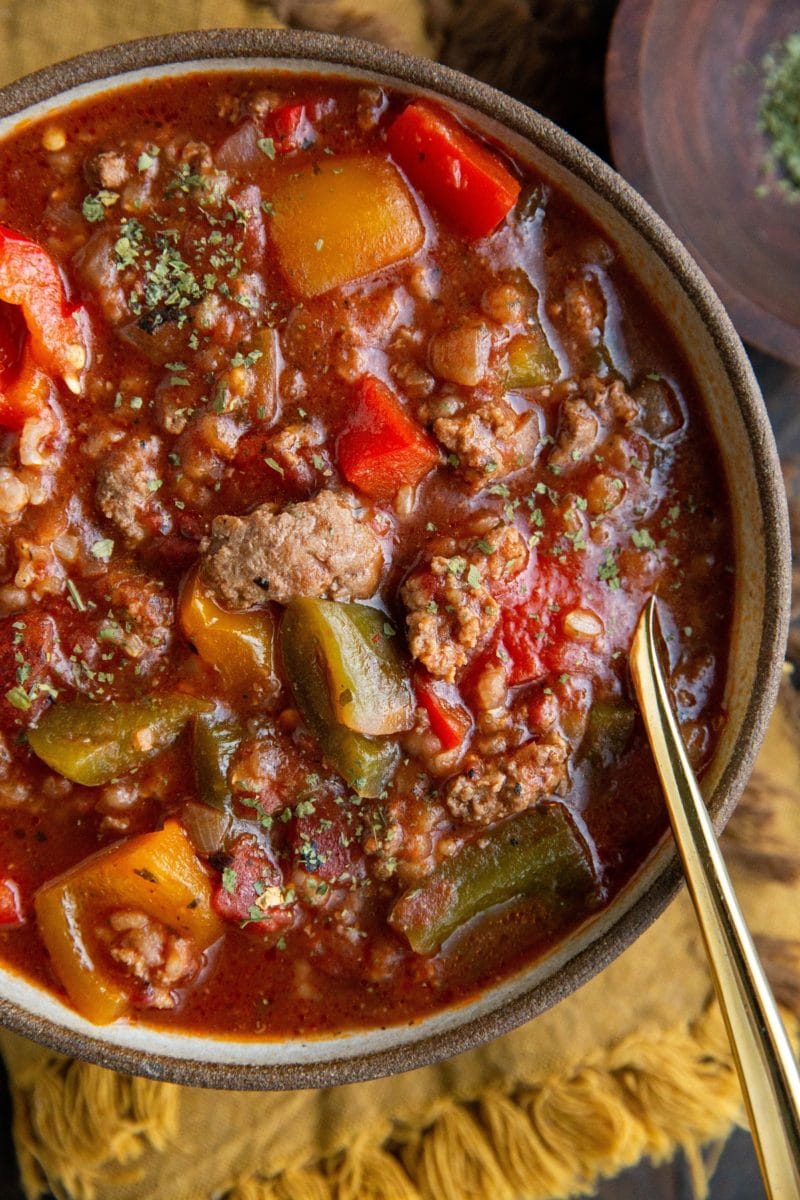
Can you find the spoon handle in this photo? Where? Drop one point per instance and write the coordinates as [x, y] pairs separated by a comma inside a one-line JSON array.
[[767, 1069]]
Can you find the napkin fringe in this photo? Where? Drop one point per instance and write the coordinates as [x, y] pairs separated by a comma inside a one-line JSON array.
[[645, 1097], [73, 1119]]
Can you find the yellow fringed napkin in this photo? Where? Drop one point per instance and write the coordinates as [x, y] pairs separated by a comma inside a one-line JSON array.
[[636, 1063]]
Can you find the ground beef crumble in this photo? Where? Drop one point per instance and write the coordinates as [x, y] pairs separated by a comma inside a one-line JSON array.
[[488, 791], [126, 487], [590, 409], [449, 604], [158, 959]]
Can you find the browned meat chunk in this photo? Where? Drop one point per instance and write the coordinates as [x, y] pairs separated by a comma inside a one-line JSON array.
[[490, 790], [489, 441], [578, 432], [198, 156], [318, 547], [585, 307], [233, 108], [293, 448], [660, 411], [591, 408], [146, 616], [109, 169], [158, 959], [450, 607], [126, 486]]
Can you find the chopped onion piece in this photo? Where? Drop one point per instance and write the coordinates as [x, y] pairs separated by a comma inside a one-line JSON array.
[[207, 827]]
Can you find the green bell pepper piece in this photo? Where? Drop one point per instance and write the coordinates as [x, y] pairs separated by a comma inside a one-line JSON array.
[[94, 744], [214, 742], [608, 731], [369, 686], [317, 669], [531, 361], [537, 853]]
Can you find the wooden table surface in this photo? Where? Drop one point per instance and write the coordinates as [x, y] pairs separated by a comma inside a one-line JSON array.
[[736, 1176]]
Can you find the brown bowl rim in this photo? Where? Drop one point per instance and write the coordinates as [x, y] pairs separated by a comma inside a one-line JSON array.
[[329, 49]]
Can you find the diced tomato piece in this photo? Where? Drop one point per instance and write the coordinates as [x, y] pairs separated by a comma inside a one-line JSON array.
[[383, 449], [257, 481], [10, 903], [450, 721], [531, 633], [31, 281], [462, 179], [28, 644], [251, 889], [12, 340], [324, 843], [289, 127]]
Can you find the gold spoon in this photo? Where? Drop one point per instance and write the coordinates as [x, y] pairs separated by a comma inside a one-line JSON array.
[[767, 1069]]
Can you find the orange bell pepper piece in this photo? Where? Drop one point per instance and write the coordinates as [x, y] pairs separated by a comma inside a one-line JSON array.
[[241, 645], [342, 220], [155, 873]]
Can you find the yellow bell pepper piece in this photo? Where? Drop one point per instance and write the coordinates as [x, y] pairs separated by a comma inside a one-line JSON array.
[[240, 645], [347, 218], [531, 361], [155, 873]]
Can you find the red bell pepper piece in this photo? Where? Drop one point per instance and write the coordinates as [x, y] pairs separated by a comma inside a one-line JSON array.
[[459, 176], [12, 340], [26, 394], [10, 904], [383, 449], [450, 722], [31, 281], [289, 127]]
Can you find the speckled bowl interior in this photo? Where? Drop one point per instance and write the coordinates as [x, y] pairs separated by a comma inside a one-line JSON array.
[[761, 581]]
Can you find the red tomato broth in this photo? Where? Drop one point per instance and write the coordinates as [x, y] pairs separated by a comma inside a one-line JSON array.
[[310, 975]]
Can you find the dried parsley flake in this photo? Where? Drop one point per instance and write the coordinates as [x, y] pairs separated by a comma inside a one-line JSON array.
[[779, 117]]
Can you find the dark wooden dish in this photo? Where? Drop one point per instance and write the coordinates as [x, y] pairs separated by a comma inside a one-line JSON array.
[[683, 81]]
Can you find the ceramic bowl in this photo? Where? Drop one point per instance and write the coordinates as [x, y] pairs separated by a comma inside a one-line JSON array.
[[761, 581]]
